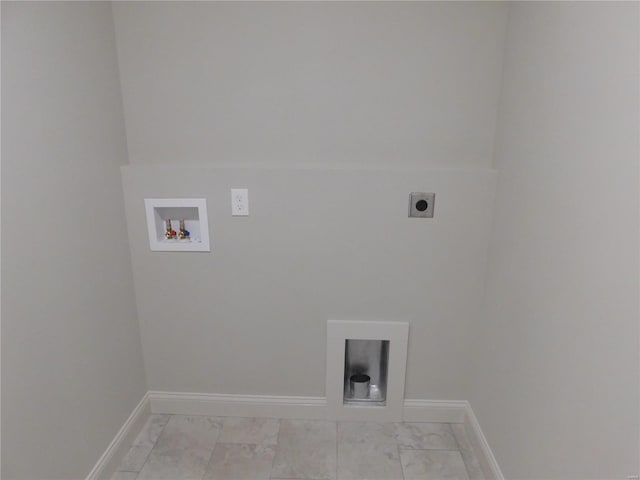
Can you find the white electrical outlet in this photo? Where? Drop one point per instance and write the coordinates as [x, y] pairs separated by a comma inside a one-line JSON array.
[[240, 202]]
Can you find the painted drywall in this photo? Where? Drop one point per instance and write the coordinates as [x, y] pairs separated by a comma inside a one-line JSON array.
[[71, 357], [250, 316], [556, 383], [322, 83]]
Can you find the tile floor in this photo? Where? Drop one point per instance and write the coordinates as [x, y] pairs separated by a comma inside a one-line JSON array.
[[185, 447]]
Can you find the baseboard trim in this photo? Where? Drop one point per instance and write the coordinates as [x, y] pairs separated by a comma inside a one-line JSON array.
[[117, 449], [223, 405], [226, 405], [436, 411], [488, 462]]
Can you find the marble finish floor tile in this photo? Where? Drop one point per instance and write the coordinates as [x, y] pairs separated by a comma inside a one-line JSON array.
[[433, 465], [134, 460], [425, 436], [468, 454], [183, 449], [124, 476], [306, 450], [151, 430], [369, 461], [257, 431], [143, 443], [368, 451], [366, 432], [233, 461]]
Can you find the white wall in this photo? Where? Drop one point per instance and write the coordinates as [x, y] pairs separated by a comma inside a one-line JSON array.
[[71, 357], [391, 84], [556, 383], [400, 87], [250, 317]]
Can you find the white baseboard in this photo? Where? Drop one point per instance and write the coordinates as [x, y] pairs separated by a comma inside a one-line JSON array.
[[117, 449], [437, 411], [488, 462], [224, 405], [238, 405]]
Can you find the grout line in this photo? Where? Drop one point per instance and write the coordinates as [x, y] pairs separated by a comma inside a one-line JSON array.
[[273, 460], [428, 450], [400, 460], [437, 423], [158, 437], [206, 467], [162, 431], [464, 462], [136, 445]]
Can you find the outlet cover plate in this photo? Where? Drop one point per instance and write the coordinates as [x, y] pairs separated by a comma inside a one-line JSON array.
[[240, 202], [421, 204]]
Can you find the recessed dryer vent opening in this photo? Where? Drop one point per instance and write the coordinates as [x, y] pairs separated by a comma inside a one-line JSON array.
[[366, 365]]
